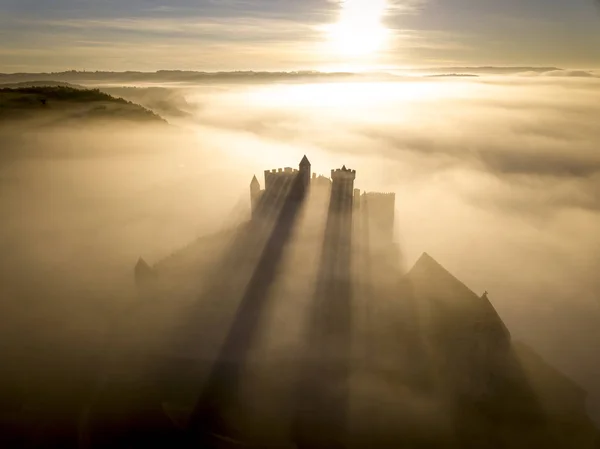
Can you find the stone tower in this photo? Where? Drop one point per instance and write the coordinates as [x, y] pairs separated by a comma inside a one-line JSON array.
[[254, 194], [343, 186], [378, 209], [341, 204], [305, 172]]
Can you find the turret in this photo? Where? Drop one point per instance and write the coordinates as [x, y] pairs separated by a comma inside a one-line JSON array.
[[254, 185], [344, 178], [305, 171], [343, 173], [254, 193], [343, 185]]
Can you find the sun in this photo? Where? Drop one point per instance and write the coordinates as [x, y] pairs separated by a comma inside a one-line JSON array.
[[359, 31]]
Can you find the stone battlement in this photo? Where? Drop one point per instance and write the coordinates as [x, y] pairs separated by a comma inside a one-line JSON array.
[[343, 173], [286, 170], [280, 172]]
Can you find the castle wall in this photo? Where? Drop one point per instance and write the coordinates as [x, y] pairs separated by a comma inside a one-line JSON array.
[[276, 175]]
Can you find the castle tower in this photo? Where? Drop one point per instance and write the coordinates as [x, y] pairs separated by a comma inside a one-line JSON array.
[[379, 211], [305, 171], [254, 193], [343, 186], [341, 202]]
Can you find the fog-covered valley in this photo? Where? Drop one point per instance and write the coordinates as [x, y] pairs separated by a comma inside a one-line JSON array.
[[498, 178]]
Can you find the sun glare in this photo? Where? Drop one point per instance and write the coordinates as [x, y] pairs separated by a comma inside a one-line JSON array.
[[359, 31]]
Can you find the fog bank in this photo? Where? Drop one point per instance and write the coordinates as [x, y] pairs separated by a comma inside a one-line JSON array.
[[497, 178]]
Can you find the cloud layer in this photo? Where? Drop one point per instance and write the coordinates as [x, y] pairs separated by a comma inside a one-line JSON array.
[[498, 178]]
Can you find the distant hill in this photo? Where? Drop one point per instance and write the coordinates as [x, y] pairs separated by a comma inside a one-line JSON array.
[[41, 83], [454, 75], [196, 77], [51, 105], [162, 100], [168, 102], [170, 76], [490, 70]]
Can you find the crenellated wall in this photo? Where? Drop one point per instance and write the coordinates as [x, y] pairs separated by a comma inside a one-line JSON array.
[[271, 176], [343, 173]]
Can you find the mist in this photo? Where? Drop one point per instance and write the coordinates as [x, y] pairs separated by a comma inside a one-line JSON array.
[[498, 178]]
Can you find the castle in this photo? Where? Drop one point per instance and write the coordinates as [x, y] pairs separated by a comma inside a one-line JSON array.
[[312, 339], [373, 211]]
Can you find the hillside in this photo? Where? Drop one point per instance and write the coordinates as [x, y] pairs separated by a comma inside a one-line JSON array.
[[51, 105], [168, 102]]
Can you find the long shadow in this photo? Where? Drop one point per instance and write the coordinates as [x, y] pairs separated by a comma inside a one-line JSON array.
[[364, 273], [219, 299], [322, 392], [208, 421]]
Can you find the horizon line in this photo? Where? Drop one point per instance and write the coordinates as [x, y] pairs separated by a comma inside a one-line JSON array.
[[298, 72]]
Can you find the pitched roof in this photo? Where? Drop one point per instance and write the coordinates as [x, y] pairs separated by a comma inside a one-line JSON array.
[[430, 281], [141, 263], [304, 161]]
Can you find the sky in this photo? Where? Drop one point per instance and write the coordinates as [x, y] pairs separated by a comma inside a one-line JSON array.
[[211, 35]]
